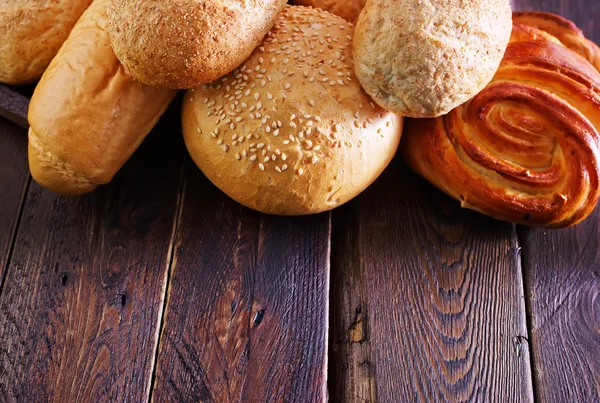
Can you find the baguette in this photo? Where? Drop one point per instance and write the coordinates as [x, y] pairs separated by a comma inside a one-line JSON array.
[[33, 31], [87, 116]]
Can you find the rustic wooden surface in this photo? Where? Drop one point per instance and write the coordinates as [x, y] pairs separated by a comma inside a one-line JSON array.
[[158, 287], [81, 303], [428, 304], [246, 317], [14, 178]]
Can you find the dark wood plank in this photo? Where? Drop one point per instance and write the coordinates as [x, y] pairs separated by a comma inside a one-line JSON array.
[[14, 177], [562, 270], [246, 317], [426, 300], [13, 106], [85, 288]]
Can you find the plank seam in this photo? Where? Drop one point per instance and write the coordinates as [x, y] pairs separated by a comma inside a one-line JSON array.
[[167, 287], [15, 234], [528, 309]]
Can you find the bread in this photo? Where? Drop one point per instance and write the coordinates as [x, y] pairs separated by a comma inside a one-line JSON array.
[[347, 9], [32, 32], [291, 131], [422, 59], [527, 148], [564, 30], [86, 115], [186, 43]]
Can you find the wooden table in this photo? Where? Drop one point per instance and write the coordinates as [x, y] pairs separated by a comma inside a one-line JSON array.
[[159, 287]]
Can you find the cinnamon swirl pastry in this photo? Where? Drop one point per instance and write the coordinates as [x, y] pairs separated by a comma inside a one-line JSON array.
[[527, 148]]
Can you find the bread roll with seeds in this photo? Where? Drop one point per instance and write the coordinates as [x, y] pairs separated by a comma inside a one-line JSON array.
[[185, 43], [347, 9], [291, 131], [32, 32], [87, 116], [422, 58]]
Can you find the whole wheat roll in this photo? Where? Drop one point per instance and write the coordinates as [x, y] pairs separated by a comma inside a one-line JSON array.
[[527, 148], [422, 58], [32, 33], [291, 131], [87, 115], [185, 43]]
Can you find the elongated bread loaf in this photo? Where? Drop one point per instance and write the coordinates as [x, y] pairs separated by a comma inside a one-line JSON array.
[[32, 33], [88, 116]]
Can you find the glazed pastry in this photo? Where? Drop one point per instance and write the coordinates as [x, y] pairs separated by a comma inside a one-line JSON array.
[[527, 148]]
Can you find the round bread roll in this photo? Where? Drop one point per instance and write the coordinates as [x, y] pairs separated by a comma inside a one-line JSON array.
[[185, 43], [347, 9], [422, 59], [291, 131], [32, 33]]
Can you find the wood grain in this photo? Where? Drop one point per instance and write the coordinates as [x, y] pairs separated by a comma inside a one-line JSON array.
[[85, 286], [247, 312], [563, 277], [13, 106], [427, 300], [14, 177]]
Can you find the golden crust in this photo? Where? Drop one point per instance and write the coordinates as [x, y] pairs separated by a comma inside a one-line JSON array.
[[32, 33], [185, 43], [420, 59], [347, 9], [527, 148], [291, 131], [87, 116]]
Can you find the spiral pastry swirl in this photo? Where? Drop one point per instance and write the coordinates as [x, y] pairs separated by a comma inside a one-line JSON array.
[[527, 148]]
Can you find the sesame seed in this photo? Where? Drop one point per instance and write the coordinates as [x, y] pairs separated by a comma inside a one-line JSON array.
[[244, 153], [244, 105], [267, 159], [247, 92], [268, 129], [306, 74], [287, 86], [234, 137], [248, 137], [198, 130], [316, 148], [205, 100], [311, 102], [286, 142], [260, 145], [276, 132], [256, 96], [269, 96], [239, 119], [261, 166], [232, 126], [263, 83], [340, 82], [325, 79], [312, 80], [300, 171], [294, 125], [284, 167], [322, 72], [225, 148], [318, 118], [253, 158], [372, 105], [220, 142], [277, 169], [314, 159], [332, 83], [309, 123], [252, 116]]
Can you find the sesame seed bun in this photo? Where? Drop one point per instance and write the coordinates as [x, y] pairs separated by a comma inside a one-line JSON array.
[[182, 43], [291, 131]]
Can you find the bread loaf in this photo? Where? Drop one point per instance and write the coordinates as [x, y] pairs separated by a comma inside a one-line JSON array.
[[527, 148], [291, 131], [347, 9], [32, 33], [87, 116], [185, 43], [422, 59]]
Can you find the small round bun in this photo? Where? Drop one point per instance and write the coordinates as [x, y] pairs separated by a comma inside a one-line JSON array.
[[291, 131], [185, 43], [421, 59], [347, 9]]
